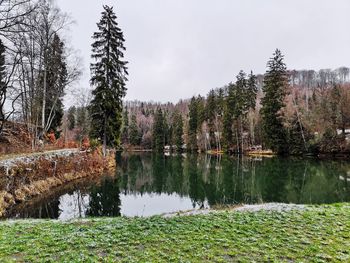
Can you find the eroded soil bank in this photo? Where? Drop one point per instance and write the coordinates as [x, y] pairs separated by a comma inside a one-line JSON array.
[[26, 177]]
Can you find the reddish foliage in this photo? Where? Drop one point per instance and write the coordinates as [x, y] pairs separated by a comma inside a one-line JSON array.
[[63, 143], [51, 137], [85, 144]]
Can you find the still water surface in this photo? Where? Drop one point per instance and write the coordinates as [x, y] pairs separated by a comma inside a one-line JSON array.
[[147, 184]]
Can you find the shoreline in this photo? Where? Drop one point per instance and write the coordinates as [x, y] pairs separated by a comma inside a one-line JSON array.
[[24, 178]]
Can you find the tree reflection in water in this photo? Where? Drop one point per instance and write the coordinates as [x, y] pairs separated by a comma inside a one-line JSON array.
[[234, 180], [203, 180]]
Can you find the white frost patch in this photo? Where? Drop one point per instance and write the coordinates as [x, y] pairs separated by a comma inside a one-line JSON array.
[[279, 207], [189, 213], [32, 157]]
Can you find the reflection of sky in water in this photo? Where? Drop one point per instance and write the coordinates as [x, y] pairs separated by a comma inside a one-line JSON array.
[[148, 204], [73, 206], [154, 204]]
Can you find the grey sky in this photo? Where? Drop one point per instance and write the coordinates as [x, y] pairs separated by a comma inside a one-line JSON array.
[[180, 48]]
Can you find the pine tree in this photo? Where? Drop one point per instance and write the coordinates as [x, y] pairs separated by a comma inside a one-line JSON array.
[[252, 90], [71, 117], [109, 77], [193, 125], [167, 129], [178, 130], [220, 98], [134, 133], [211, 114], [158, 131], [82, 123], [230, 113], [241, 97], [251, 94], [240, 94], [125, 130], [227, 134], [275, 85], [56, 80]]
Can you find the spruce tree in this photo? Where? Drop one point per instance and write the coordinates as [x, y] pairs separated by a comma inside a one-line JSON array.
[[108, 77], [211, 108], [71, 117], [158, 131], [125, 130], [193, 125], [178, 130], [240, 95], [275, 90], [56, 81], [134, 133], [227, 133], [82, 123], [167, 129], [229, 105], [252, 90]]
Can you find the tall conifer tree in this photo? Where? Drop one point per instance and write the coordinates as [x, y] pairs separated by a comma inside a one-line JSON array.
[[109, 75], [178, 130], [211, 108], [134, 132], [159, 131], [55, 78], [125, 129], [275, 89], [193, 125], [230, 104], [252, 90]]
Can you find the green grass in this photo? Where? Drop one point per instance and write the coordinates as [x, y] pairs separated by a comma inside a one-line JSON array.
[[317, 234]]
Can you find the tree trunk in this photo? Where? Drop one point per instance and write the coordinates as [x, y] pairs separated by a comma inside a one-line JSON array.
[[44, 101], [104, 147], [242, 139]]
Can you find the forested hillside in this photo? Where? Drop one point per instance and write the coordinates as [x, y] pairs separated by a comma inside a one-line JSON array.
[[315, 115]]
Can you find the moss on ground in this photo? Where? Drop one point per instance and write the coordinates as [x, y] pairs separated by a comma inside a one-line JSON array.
[[317, 234]]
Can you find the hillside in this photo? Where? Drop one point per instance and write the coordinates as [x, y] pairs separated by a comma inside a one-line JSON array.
[[15, 139]]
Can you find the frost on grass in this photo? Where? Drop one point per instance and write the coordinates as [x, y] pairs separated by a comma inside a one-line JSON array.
[[279, 207]]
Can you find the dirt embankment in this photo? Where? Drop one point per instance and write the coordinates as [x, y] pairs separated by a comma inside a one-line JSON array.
[[24, 177], [15, 138]]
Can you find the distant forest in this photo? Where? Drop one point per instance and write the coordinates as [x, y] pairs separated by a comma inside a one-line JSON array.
[[315, 116]]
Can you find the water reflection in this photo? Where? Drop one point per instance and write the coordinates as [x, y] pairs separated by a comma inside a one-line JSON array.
[[147, 184], [227, 180]]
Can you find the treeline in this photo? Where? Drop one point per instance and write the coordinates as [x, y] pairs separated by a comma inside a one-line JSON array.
[[36, 66], [290, 112]]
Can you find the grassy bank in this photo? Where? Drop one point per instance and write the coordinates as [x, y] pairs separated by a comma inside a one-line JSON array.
[[318, 234]]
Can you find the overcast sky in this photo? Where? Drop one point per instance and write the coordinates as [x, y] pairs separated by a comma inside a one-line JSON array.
[[180, 48]]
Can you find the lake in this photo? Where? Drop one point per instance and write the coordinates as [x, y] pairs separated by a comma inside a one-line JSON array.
[[146, 184]]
